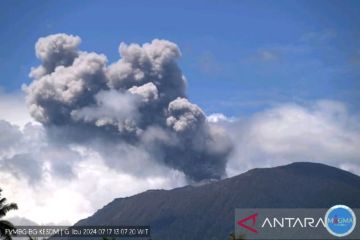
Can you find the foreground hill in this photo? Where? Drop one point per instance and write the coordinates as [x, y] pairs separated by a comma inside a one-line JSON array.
[[207, 211]]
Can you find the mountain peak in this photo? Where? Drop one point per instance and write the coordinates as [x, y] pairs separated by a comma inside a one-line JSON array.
[[186, 213], [307, 165]]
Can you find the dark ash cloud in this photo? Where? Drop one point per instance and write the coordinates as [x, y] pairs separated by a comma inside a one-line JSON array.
[[138, 101]]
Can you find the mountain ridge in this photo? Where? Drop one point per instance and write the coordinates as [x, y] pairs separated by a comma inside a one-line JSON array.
[[187, 212]]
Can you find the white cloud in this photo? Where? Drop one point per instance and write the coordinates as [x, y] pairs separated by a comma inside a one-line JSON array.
[[58, 180], [219, 117], [57, 200], [321, 132], [267, 55], [324, 132], [13, 108]]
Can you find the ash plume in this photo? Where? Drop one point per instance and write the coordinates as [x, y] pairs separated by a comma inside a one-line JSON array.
[[139, 102]]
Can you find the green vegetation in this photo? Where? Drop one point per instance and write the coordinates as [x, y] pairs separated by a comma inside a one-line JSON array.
[[4, 208]]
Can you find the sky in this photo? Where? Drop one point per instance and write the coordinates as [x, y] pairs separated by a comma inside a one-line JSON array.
[[269, 82], [250, 54]]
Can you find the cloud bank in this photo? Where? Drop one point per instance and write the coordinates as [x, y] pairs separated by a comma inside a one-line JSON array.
[[324, 131], [102, 131]]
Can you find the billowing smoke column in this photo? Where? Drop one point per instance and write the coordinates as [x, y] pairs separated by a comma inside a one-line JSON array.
[[139, 100]]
